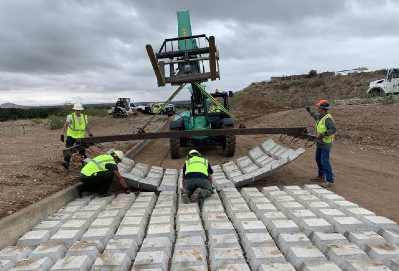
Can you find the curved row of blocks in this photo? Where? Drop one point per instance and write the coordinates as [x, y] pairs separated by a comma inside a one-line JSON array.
[[266, 229], [260, 162]]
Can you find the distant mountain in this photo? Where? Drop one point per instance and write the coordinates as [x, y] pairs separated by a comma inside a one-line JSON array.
[[11, 105]]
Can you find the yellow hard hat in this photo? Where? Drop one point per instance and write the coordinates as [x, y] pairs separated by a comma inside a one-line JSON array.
[[119, 154]]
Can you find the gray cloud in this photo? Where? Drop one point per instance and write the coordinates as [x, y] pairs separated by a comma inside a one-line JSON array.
[[94, 51]]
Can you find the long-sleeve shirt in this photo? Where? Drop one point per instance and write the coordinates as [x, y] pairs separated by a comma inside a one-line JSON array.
[[331, 129]]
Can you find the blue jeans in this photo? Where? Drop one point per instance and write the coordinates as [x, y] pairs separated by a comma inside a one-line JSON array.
[[323, 163]]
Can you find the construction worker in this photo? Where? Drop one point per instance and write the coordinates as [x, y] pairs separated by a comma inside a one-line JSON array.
[[197, 178], [77, 126], [325, 130], [98, 173]]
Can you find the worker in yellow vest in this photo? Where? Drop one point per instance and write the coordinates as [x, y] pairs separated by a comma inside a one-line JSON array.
[[325, 129], [98, 173], [197, 178], [76, 126]]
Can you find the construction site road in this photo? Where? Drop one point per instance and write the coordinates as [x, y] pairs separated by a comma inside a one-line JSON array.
[[364, 156]]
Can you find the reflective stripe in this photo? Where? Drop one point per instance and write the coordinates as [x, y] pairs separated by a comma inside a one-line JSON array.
[[98, 164], [197, 165], [197, 162], [74, 124], [321, 128]]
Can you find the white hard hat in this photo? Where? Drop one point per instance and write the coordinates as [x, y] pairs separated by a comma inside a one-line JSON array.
[[78, 106], [194, 152], [119, 154]]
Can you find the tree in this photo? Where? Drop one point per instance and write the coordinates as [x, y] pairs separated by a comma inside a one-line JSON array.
[[312, 73]]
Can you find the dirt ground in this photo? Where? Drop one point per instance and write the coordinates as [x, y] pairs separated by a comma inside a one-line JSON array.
[[364, 157]]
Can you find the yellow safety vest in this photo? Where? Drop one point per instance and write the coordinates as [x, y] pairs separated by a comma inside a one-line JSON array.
[[197, 164], [76, 129], [97, 164], [321, 128]]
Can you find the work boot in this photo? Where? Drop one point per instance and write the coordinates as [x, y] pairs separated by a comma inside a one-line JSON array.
[[196, 195], [80, 192], [327, 184], [318, 179], [106, 194], [184, 196], [65, 164]]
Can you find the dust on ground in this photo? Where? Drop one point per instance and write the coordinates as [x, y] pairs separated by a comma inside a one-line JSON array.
[[31, 156]]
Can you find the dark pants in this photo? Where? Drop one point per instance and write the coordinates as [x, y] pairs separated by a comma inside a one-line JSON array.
[[99, 183], [193, 184], [323, 163], [70, 141]]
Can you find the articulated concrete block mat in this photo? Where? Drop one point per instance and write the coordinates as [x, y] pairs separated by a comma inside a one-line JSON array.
[[260, 229]]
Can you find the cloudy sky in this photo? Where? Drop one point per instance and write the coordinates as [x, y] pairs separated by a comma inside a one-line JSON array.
[[53, 51]]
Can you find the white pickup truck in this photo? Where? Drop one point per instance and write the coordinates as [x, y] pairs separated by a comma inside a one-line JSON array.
[[390, 85]]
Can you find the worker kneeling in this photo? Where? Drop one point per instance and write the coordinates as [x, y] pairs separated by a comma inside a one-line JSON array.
[[98, 173], [197, 178]]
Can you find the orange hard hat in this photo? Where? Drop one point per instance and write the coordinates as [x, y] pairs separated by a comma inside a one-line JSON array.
[[320, 102]]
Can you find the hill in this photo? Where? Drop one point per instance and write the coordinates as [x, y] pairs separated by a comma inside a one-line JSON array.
[[298, 93], [11, 105]]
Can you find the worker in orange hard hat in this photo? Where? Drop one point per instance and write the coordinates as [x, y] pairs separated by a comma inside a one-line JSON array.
[[325, 129]]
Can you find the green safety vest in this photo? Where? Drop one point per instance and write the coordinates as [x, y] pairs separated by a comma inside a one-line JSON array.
[[76, 129], [97, 164], [197, 164], [321, 128]]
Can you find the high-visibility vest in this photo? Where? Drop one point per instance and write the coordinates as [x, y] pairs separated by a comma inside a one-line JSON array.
[[321, 128], [97, 164], [76, 129], [197, 164]]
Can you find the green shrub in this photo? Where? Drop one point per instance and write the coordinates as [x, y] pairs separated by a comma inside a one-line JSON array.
[[55, 122], [317, 83], [388, 99], [312, 73], [95, 111], [284, 86], [36, 122]]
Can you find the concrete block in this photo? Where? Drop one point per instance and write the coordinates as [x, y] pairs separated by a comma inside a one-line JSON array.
[[218, 228], [5, 265], [320, 266], [133, 221], [246, 165], [67, 236], [260, 158], [161, 230], [395, 264], [190, 242], [310, 225], [344, 224], [237, 208], [235, 201], [382, 252], [102, 201], [327, 214], [231, 255], [229, 267], [222, 182], [15, 253], [81, 248], [264, 207], [114, 214], [50, 225], [257, 200], [223, 241], [63, 217], [276, 227], [285, 207], [267, 189], [313, 205], [364, 237], [267, 217], [306, 199], [297, 255], [124, 206], [53, 251], [90, 216], [231, 170], [112, 261], [319, 192], [150, 260], [140, 212], [392, 236], [40, 264], [376, 223], [188, 258], [188, 209], [276, 267], [73, 263], [166, 204], [279, 198], [212, 201], [76, 224], [127, 246], [215, 217], [363, 265], [330, 197], [341, 253], [321, 240], [343, 204], [34, 238], [249, 240], [191, 268], [264, 255], [357, 212], [162, 220], [287, 240], [298, 215], [95, 208], [212, 209], [70, 209], [188, 219], [103, 235], [135, 233], [246, 226], [190, 230], [157, 244], [245, 216]]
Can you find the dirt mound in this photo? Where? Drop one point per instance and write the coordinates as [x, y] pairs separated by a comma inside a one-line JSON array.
[[253, 104]]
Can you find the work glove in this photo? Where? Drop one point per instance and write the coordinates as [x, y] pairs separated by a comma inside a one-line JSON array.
[[308, 108], [62, 138], [91, 135], [127, 190], [320, 136]]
